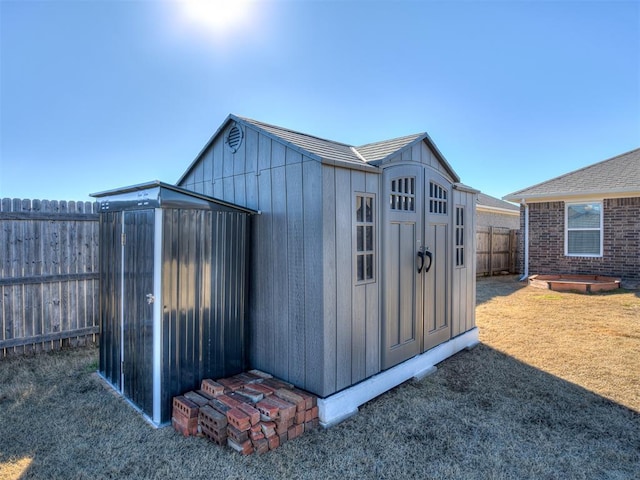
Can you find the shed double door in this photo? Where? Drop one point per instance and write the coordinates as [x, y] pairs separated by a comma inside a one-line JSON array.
[[416, 251]]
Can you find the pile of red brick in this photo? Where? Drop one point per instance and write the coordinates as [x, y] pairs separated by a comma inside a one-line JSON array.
[[250, 412]]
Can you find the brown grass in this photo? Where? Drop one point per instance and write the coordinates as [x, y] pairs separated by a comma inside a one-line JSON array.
[[590, 340], [492, 412]]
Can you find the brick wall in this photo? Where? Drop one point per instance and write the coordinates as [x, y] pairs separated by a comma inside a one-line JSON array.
[[621, 249]]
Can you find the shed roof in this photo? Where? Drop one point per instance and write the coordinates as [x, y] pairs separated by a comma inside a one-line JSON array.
[[365, 157], [619, 176]]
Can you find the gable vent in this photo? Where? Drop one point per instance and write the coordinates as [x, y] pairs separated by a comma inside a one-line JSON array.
[[234, 138]]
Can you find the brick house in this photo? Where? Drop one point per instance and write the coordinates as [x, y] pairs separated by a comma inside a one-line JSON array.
[[584, 222], [493, 212]]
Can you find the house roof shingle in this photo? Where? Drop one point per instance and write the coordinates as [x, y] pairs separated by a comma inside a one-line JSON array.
[[493, 202], [616, 175]]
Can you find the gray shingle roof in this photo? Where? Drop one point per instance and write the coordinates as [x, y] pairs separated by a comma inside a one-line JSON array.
[[489, 201], [617, 175], [381, 150], [325, 149], [366, 157]]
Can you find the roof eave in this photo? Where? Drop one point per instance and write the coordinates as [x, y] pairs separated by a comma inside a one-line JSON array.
[[553, 197]]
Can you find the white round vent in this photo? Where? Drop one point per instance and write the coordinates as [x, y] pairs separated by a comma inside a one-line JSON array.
[[234, 138]]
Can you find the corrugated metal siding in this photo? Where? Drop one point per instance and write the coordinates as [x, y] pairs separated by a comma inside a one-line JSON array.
[[204, 277], [110, 296]]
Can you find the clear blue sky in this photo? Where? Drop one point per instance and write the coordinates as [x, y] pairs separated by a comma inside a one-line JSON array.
[[96, 95]]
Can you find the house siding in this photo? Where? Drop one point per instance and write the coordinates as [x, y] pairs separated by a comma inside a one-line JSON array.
[[492, 219], [621, 241]]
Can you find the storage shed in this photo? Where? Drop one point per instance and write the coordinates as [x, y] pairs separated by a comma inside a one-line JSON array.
[[362, 259], [173, 291]]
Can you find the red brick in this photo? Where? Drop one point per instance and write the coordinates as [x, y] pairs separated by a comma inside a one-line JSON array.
[[212, 387], [268, 428], [227, 400], [218, 437], [236, 435], [212, 418], [261, 445], [299, 418], [239, 398], [186, 426], [204, 394], [282, 425], [287, 410], [185, 407], [239, 419], [254, 413], [259, 388], [248, 395], [274, 442], [232, 384], [293, 398], [311, 414], [268, 411], [312, 425], [256, 435], [196, 398], [260, 374], [295, 431], [248, 377], [218, 405], [310, 400], [277, 383], [245, 448]]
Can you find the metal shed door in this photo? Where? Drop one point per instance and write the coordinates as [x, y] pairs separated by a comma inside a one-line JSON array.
[[137, 308]]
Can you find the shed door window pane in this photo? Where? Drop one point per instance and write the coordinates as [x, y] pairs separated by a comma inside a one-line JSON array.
[[403, 193], [584, 229], [365, 239], [437, 199]]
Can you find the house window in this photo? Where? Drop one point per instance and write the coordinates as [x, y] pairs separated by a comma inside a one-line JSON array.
[[459, 236], [403, 194], [365, 239], [437, 199], [583, 236]]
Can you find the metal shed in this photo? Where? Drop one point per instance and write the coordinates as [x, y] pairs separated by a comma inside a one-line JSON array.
[[363, 257], [173, 291]]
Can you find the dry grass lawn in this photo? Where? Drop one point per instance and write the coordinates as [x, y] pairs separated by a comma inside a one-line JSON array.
[[590, 340], [550, 393]]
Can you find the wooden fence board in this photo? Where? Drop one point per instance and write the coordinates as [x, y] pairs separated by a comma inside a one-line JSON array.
[[48, 274], [496, 250]]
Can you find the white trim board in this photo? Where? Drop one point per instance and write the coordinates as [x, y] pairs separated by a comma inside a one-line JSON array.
[[344, 404]]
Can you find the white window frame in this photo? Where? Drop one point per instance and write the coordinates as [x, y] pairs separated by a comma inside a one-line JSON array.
[[599, 229]]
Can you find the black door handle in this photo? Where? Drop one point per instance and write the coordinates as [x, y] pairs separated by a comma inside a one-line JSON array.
[[430, 256], [421, 256]]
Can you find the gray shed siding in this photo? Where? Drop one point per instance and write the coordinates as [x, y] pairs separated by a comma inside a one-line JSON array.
[[309, 323], [464, 285]]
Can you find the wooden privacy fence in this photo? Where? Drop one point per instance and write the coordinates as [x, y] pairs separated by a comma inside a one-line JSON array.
[[496, 250], [48, 274]]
